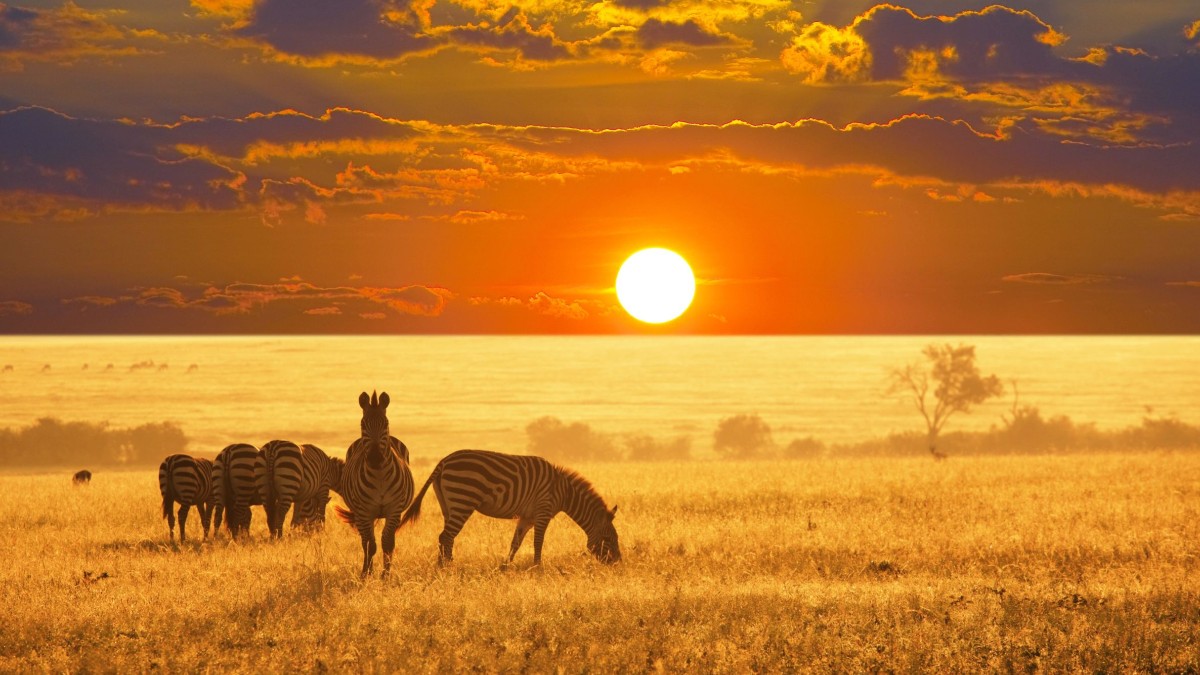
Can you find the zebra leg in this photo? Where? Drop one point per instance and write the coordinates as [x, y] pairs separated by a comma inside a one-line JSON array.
[[218, 511], [388, 542], [366, 530], [169, 512], [205, 518], [539, 536], [281, 510], [453, 524], [183, 514], [523, 526]]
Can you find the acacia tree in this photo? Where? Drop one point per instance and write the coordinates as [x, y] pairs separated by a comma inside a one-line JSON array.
[[957, 386]]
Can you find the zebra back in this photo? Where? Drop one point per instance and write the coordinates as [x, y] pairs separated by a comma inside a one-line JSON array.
[[186, 480], [238, 487]]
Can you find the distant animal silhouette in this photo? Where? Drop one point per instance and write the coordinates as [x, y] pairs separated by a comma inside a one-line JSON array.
[[82, 477], [234, 488], [529, 489], [108, 367], [46, 368], [192, 368], [376, 481], [8, 368], [188, 481], [85, 367], [163, 367], [937, 454]]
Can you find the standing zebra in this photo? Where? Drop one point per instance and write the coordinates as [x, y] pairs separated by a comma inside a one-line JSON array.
[[234, 487], [376, 481], [278, 472], [529, 489], [186, 480]]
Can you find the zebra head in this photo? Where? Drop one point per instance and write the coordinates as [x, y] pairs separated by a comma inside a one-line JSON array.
[[375, 433], [602, 540]]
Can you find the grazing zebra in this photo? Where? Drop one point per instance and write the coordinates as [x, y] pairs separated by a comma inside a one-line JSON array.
[[234, 487], [82, 477], [277, 472], [309, 491], [376, 481], [529, 489], [187, 480]]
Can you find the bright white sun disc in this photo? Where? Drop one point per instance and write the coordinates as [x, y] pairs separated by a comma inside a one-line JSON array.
[[655, 285]]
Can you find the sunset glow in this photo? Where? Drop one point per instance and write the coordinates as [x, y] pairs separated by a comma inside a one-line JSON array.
[[351, 166]]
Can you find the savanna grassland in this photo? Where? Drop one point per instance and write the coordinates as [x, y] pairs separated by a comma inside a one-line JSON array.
[[1076, 563]]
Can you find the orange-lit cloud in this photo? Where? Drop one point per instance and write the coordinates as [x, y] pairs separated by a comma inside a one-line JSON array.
[[65, 36], [15, 308]]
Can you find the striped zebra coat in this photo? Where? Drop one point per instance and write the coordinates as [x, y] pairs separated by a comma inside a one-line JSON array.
[[187, 481], [376, 482], [234, 488], [319, 473], [278, 470], [528, 489]]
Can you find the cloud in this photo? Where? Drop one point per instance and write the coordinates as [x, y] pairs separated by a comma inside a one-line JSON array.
[[1048, 279], [513, 32], [85, 301], [419, 300], [15, 308], [1007, 59], [64, 36], [328, 31], [655, 33], [557, 307], [305, 298]]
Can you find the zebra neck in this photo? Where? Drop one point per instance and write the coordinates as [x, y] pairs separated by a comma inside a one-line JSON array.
[[581, 503]]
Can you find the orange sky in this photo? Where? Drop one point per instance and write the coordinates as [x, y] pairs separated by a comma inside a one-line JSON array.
[[436, 166]]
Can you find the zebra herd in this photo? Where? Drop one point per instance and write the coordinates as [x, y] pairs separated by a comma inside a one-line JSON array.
[[375, 483]]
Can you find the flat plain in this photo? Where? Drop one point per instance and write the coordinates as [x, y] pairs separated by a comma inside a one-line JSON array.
[[1045, 563]]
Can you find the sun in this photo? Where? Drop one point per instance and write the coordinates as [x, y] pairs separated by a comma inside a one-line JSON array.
[[655, 285]]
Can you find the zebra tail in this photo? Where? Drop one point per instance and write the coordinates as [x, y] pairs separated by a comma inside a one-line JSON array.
[[414, 511], [346, 515]]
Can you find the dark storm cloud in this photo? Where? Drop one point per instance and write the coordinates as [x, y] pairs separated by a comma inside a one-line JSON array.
[[320, 28]]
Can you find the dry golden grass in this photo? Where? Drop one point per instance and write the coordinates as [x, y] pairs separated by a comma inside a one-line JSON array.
[[1084, 563]]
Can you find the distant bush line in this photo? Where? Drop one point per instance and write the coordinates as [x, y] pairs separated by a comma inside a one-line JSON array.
[[51, 442], [748, 436]]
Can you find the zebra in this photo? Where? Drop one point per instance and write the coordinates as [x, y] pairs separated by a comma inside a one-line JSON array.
[[187, 480], [234, 487], [530, 489], [82, 477], [277, 472], [376, 481], [304, 479], [309, 514]]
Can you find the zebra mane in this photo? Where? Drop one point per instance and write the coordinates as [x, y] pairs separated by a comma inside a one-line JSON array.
[[581, 485]]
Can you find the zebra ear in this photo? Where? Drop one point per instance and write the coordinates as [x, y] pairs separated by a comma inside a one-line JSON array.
[[363, 400], [384, 400], [612, 513]]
